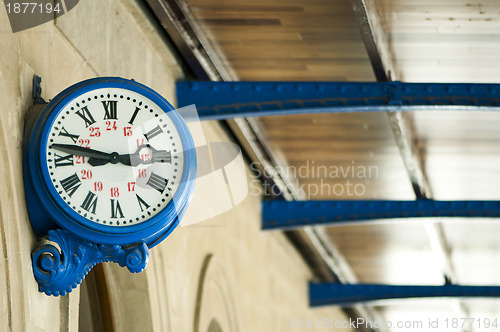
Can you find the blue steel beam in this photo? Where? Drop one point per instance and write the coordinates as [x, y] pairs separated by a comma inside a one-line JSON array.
[[225, 100], [278, 214], [321, 294]]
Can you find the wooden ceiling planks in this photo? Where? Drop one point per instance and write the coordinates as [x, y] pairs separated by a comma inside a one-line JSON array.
[[301, 35], [460, 35], [432, 41], [316, 40]]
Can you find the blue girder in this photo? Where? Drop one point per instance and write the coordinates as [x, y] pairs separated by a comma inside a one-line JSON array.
[[280, 214], [225, 100], [321, 294]]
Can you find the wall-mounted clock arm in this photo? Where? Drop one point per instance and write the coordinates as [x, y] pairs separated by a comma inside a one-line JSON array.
[[36, 91], [58, 272]]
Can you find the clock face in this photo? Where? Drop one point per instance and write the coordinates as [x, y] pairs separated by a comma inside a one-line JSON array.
[[114, 157]]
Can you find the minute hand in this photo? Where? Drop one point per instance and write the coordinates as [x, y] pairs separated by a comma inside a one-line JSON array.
[[81, 151], [134, 159]]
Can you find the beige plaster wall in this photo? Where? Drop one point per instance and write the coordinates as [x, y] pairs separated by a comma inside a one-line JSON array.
[[224, 268]]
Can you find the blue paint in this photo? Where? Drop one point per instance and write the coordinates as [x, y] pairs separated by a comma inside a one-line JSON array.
[[279, 214], [59, 271], [352, 294], [48, 211], [55, 209], [225, 100]]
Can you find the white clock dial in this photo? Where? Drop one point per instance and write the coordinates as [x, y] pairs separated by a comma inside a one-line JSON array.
[[114, 157]]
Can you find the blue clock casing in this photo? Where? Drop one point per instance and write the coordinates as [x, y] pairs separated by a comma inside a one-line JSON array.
[[82, 241]]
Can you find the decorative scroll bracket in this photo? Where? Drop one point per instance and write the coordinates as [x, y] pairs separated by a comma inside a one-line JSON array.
[[59, 270], [36, 91]]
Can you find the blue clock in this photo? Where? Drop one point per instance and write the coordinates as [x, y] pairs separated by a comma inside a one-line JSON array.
[[109, 170]]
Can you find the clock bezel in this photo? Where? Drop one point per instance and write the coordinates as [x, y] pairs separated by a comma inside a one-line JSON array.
[[150, 230]]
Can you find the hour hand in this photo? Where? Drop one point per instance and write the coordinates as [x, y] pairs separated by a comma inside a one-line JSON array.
[[114, 158], [97, 161], [133, 159], [81, 151]]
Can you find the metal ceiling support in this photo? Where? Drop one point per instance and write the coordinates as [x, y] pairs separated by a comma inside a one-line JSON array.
[[402, 124], [182, 34], [277, 214], [347, 295], [403, 128], [191, 45], [227, 100], [205, 62], [375, 40], [318, 251]]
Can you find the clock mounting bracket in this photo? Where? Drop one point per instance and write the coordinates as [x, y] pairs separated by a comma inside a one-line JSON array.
[[37, 91], [61, 265]]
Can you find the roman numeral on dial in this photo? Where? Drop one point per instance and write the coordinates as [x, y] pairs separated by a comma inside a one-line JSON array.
[[90, 202], [142, 202], [116, 210], [71, 184], [162, 156], [153, 132], [64, 132], [63, 160], [110, 109], [132, 119], [85, 114], [157, 182]]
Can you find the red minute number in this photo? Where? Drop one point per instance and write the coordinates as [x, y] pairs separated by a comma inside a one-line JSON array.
[[98, 186], [111, 125], [86, 175], [127, 131], [84, 142], [115, 192], [94, 132]]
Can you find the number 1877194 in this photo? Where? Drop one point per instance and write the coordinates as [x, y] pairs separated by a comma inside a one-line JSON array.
[[34, 7]]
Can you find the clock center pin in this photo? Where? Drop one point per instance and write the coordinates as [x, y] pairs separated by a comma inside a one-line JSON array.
[[114, 158]]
